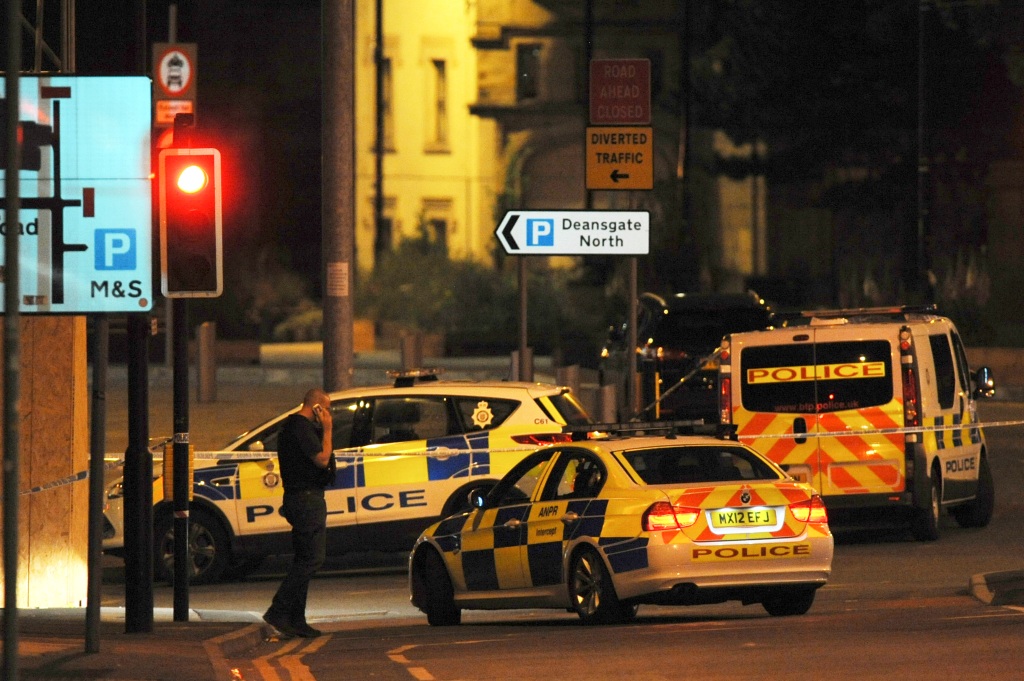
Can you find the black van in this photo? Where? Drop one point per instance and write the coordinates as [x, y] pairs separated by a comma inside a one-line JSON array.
[[677, 337]]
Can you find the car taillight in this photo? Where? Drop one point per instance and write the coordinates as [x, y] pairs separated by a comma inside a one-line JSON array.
[[810, 511], [664, 516], [910, 413], [538, 439], [725, 399]]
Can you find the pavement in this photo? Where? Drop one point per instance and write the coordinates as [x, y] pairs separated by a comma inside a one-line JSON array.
[[52, 642]]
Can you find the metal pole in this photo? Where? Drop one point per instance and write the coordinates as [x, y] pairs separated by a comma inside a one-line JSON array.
[[97, 447], [138, 462], [524, 370], [12, 345], [338, 177], [179, 307], [378, 146], [138, 485], [632, 394]]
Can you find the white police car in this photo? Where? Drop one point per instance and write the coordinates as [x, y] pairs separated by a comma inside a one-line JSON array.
[[407, 455]]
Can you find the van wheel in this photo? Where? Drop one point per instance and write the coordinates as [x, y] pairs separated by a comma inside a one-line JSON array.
[[209, 554], [978, 513], [925, 525], [796, 601]]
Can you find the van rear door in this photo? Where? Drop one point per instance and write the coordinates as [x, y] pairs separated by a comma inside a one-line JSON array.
[[835, 387]]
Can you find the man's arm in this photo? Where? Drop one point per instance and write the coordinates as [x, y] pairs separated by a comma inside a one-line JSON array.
[[323, 457]]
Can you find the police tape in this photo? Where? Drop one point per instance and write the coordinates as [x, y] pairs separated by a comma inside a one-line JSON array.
[[351, 452], [66, 480], [879, 431]]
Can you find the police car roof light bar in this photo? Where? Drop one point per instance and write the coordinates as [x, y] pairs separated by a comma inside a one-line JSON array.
[[405, 378], [679, 427]]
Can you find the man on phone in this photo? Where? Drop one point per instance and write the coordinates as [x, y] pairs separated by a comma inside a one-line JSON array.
[[306, 454]]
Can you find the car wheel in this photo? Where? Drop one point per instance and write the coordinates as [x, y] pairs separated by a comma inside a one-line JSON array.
[[209, 554], [978, 513], [925, 525], [430, 575], [789, 602], [591, 592]]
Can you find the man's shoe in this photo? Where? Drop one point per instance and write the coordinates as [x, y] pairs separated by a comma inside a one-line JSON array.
[[306, 631], [281, 624]]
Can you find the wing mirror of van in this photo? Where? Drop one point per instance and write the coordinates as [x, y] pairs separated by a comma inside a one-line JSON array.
[[256, 446], [984, 383]]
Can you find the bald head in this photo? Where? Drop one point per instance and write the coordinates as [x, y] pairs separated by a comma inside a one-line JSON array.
[[316, 396]]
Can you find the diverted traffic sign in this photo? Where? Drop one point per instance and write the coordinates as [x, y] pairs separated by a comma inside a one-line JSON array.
[[620, 91], [85, 219], [620, 158], [567, 232]]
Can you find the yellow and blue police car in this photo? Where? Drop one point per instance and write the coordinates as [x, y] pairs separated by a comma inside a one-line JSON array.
[[407, 454], [601, 526]]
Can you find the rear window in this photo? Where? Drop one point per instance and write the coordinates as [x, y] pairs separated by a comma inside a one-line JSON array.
[[850, 375], [484, 413], [679, 465], [571, 411]]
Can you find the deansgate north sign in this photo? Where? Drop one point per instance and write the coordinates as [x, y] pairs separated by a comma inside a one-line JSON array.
[[566, 232]]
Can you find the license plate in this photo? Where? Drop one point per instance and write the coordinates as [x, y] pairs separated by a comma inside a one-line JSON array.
[[743, 517]]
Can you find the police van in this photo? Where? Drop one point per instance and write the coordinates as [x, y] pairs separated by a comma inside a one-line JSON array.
[[407, 454], [874, 407]]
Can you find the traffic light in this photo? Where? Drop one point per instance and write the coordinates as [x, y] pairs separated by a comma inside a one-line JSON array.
[[191, 249]]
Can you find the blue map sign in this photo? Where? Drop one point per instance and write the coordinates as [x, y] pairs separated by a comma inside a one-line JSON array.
[[86, 219]]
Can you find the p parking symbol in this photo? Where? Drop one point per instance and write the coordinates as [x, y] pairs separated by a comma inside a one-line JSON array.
[[115, 249], [540, 232]]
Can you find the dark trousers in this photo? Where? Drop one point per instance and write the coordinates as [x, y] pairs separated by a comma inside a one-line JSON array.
[[307, 513]]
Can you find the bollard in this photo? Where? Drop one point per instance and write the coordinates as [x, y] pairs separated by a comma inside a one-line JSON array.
[[608, 404], [521, 371], [412, 350], [206, 344], [570, 377]]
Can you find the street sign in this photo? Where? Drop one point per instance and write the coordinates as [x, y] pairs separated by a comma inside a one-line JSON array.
[[86, 207], [620, 158], [580, 232], [620, 91], [174, 81]]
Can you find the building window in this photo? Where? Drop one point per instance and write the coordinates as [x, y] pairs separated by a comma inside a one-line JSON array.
[[437, 222], [439, 108], [387, 104], [527, 71]]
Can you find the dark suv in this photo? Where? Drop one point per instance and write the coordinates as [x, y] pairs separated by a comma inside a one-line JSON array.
[[676, 336]]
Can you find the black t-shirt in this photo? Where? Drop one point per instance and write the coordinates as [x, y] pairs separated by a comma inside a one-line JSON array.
[[297, 446]]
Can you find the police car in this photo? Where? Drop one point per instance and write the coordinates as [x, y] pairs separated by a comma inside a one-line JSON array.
[[407, 454], [600, 526]]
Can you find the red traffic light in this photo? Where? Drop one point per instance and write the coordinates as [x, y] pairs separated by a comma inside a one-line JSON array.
[[192, 178], [190, 223]]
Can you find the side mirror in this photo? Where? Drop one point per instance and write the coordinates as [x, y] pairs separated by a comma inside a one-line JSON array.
[[256, 446], [477, 497], [984, 383]]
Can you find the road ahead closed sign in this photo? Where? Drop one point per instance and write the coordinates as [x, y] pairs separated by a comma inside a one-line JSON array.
[[565, 232]]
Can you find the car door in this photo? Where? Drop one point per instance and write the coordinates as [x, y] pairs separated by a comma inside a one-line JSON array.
[[401, 481], [959, 450], [560, 513], [494, 536]]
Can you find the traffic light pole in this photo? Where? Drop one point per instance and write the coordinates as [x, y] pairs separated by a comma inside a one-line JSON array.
[[180, 450]]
